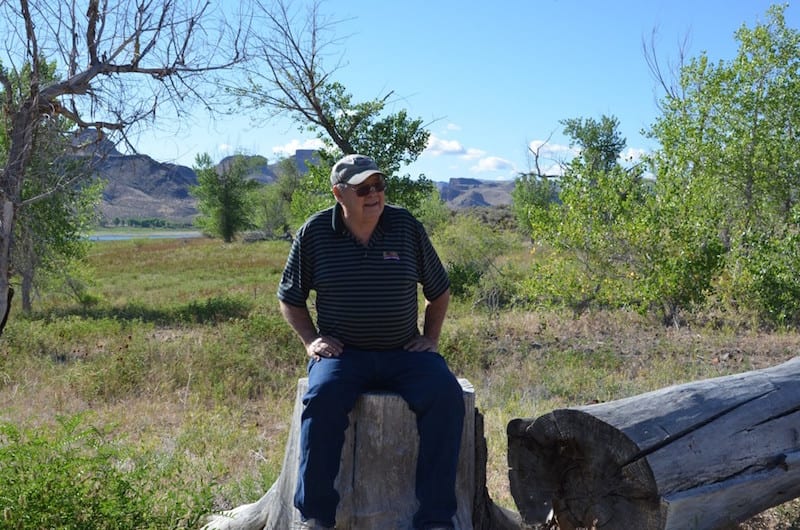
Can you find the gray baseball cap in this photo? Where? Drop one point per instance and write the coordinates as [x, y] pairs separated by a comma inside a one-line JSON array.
[[354, 169]]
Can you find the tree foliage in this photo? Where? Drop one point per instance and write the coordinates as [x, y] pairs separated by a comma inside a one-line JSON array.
[[591, 218], [470, 248], [534, 202], [57, 200], [730, 157], [600, 142], [224, 197], [272, 203], [715, 222]]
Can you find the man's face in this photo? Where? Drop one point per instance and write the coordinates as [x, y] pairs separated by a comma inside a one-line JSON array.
[[363, 201]]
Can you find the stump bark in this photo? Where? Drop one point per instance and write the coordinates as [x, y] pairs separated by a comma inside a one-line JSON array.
[[694, 456], [376, 476]]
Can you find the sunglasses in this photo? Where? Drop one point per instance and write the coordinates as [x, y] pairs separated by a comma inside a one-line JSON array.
[[366, 189]]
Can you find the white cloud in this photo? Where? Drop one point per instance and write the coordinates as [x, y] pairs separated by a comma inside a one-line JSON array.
[[453, 127], [492, 163], [290, 148], [473, 154], [437, 146], [225, 148], [553, 169]]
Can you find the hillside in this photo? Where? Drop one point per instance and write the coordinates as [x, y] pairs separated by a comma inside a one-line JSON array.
[[140, 187]]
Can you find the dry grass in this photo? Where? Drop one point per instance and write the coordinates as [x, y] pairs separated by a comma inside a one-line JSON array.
[[186, 352], [535, 363]]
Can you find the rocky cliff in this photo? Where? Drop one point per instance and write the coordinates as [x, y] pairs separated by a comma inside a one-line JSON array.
[[139, 187]]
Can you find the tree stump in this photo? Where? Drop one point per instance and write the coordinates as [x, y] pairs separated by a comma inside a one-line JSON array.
[[376, 476], [693, 456]]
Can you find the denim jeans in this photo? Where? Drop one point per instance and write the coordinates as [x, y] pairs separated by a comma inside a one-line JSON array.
[[432, 392]]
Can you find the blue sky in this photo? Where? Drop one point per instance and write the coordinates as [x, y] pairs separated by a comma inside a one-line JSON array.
[[492, 78]]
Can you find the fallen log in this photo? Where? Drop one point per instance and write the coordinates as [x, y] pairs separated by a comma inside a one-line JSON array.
[[376, 476], [700, 455]]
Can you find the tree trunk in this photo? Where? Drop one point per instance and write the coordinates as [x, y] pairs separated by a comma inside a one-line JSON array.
[[11, 178], [694, 456], [376, 477], [7, 212]]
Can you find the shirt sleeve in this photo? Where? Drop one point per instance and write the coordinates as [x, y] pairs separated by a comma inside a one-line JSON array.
[[295, 283]]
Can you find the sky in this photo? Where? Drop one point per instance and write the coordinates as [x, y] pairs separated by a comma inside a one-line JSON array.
[[493, 79]]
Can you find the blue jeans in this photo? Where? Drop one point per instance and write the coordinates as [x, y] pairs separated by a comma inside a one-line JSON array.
[[432, 392]]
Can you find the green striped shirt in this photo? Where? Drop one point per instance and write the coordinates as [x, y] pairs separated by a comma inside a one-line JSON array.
[[366, 296]]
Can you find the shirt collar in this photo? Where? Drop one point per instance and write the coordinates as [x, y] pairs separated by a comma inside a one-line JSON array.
[[338, 226]]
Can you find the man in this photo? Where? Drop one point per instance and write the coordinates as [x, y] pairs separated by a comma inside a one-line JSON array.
[[365, 259]]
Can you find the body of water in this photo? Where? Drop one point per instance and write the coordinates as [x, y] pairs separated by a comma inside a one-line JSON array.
[[144, 235]]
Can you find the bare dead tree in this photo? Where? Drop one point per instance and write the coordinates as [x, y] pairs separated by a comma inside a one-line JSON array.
[[666, 77], [535, 155], [118, 63], [287, 75]]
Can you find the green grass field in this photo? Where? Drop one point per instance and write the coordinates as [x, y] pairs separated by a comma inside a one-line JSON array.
[[169, 388]]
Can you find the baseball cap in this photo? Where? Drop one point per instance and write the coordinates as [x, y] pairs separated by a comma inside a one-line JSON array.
[[354, 169]]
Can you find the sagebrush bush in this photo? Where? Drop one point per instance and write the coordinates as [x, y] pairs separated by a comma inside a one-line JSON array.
[[75, 477]]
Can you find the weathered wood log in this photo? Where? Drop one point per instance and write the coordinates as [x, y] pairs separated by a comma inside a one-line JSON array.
[[376, 476], [693, 456]]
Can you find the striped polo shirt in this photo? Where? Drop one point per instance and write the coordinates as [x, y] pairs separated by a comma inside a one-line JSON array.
[[366, 296]]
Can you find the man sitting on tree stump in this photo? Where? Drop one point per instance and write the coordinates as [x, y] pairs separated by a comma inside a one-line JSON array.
[[365, 259]]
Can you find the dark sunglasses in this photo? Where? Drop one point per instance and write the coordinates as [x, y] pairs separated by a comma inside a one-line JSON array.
[[366, 189]]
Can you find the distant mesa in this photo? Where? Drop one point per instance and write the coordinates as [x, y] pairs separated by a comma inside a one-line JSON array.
[[140, 187]]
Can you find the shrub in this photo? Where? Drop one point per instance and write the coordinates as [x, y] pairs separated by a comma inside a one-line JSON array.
[[75, 478], [470, 248]]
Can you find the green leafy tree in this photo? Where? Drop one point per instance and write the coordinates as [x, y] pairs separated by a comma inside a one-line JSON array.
[[593, 224], [224, 197], [727, 170], [534, 203], [50, 236], [469, 249], [433, 212], [57, 202], [272, 203], [313, 193], [600, 142]]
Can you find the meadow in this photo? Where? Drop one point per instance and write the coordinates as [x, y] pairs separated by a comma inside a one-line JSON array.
[[162, 391]]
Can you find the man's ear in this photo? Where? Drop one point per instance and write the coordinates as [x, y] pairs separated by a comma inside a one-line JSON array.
[[337, 193]]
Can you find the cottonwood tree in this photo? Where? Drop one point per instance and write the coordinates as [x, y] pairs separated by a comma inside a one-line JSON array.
[[224, 196], [592, 223], [120, 63], [286, 76], [727, 172], [272, 203], [49, 235], [52, 219]]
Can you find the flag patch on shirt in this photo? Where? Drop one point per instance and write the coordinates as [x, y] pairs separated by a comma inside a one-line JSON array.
[[390, 254]]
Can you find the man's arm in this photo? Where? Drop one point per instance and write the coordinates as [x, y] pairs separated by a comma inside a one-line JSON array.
[[300, 320], [435, 312], [316, 345]]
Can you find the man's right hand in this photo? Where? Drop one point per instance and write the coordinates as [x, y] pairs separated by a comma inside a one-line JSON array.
[[324, 346]]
